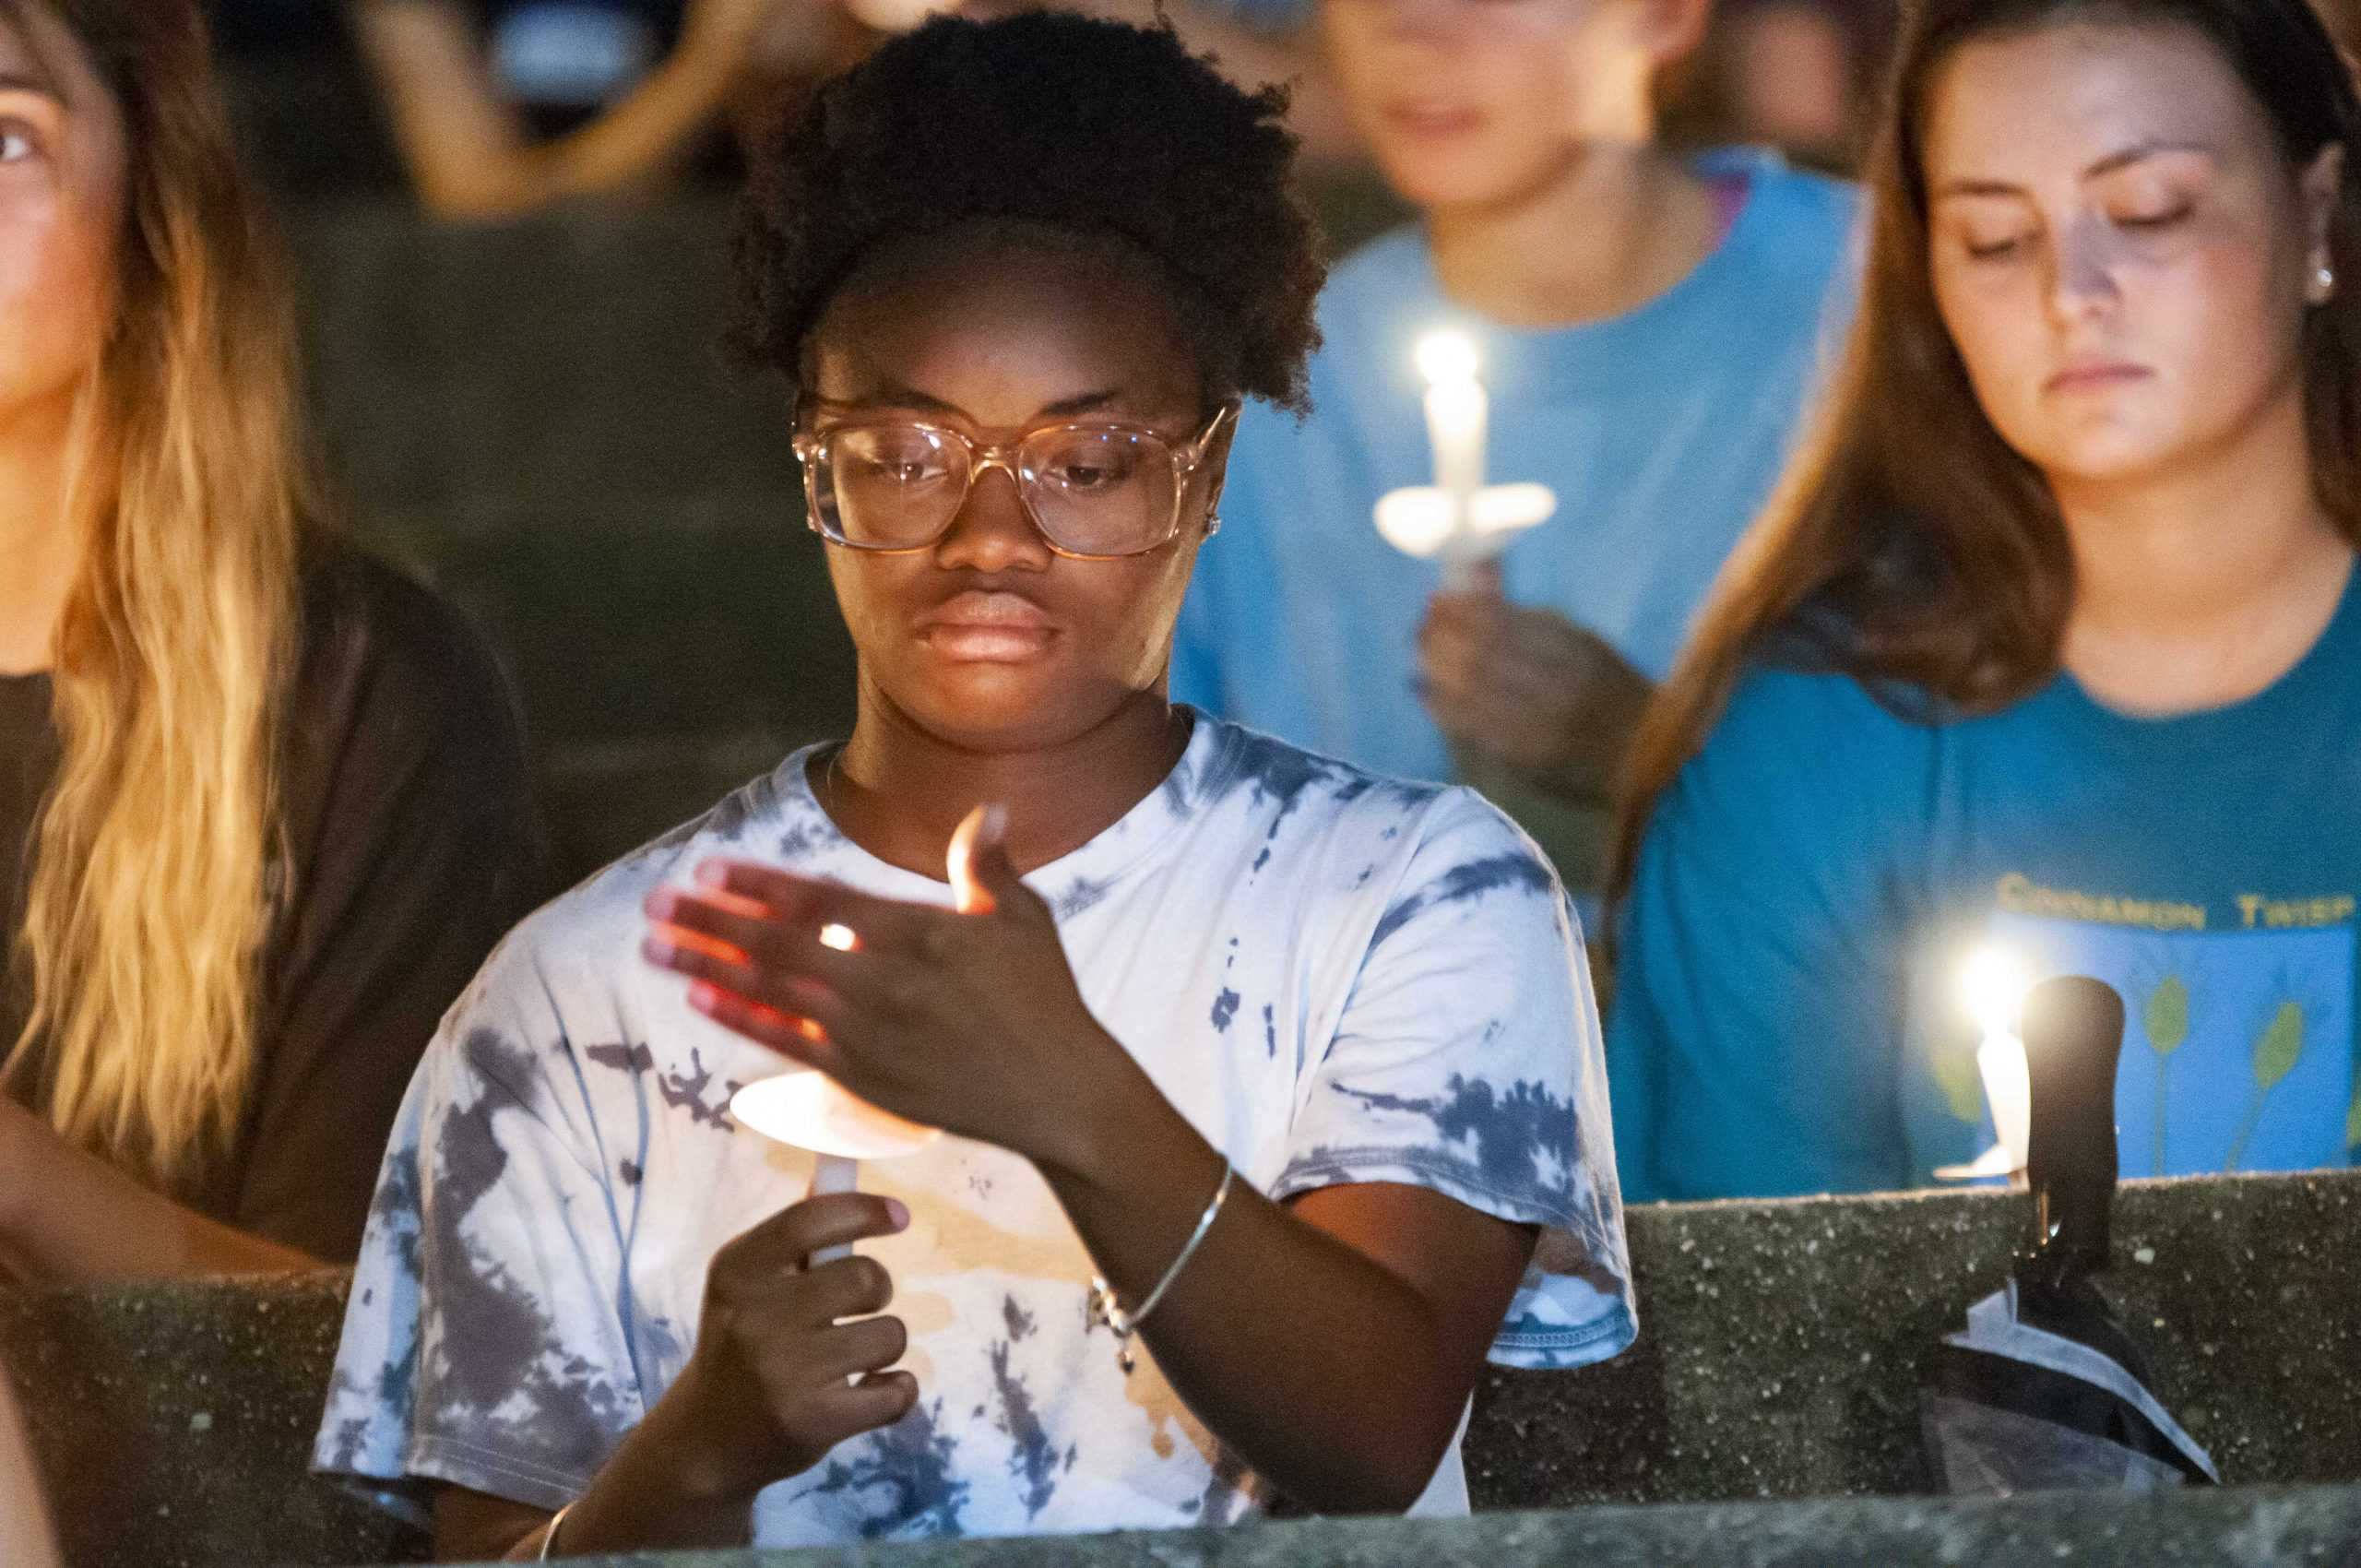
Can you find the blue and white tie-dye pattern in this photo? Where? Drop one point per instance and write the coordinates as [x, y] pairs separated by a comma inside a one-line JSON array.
[[1337, 978]]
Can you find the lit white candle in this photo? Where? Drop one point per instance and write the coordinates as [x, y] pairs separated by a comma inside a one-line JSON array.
[[812, 1110], [1458, 414], [1459, 519], [1993, 984]]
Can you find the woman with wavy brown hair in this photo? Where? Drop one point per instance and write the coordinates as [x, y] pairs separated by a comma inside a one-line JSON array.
[[2048, 642], [261, 803]]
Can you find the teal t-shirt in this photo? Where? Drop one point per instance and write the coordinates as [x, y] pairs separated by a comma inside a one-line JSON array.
[[1662, 431], [1787, 1019]]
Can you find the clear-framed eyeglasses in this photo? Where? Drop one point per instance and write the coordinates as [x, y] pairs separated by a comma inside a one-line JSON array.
[[1097, 492]]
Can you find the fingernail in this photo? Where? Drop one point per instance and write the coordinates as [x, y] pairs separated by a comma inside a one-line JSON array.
[[703, 996], [898, 1212], [663, 903], [657, 950], [713, 874]]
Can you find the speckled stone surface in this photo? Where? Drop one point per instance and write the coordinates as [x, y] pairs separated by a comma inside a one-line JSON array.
[[1781, 1344], [1781, 1351], [172, 1422], [2279, 1528]]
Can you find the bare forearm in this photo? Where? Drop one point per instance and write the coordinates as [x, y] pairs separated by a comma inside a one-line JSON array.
[[647, 1497], [645, 134], [1320, 1368], [655, 1495], [67, 1218], [468, 152], [24, 1518]]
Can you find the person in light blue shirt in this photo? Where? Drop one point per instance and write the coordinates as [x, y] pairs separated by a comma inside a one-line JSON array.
[[1647, 327], [2053, 645]]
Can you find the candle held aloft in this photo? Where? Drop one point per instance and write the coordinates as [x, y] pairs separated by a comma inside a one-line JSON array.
[[1458, 418], [1458, 520]]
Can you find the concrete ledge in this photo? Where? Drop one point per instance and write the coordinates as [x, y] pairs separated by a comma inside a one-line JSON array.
[[1781, 1343], [1779, 1357], [2241, 1529]]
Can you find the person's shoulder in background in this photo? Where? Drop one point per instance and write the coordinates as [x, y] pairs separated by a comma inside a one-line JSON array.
[[381, 638], [1371, 286], [409, 843], [396, 684], [1751, 1044], [1797, 229]]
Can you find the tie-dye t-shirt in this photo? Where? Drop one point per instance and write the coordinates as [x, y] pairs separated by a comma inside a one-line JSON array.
[[1337, 978]]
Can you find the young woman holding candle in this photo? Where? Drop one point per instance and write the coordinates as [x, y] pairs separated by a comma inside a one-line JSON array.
[[262, 805], [1302, 1057], [2051, 640], [1646, 326]]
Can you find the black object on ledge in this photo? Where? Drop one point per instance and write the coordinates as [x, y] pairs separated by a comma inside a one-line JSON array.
[[2044, 1390]]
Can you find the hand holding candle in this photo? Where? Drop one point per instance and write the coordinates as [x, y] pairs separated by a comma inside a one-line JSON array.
[[916, 1018], [810, 1111]]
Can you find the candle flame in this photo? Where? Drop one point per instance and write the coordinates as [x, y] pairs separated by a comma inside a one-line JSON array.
[[1992, 986], [980, 828], [1446, 357]]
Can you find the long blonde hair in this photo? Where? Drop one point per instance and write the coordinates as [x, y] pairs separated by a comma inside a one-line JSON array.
[[1907, 545], [151, 889]]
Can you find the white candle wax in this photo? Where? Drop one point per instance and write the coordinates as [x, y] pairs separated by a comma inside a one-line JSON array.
[[833, 1174], [2008, 1090], [1457, 412], [1993, 984]]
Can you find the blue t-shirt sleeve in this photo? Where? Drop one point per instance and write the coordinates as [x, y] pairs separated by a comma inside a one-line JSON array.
[[1756, 1046], [1467, 1061], [482, 1344]]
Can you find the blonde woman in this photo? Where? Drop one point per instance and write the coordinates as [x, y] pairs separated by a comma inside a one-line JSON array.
[[261, 803]]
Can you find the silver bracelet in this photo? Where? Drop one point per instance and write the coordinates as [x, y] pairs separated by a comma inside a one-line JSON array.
[[1105, 1309], [548, 1532]]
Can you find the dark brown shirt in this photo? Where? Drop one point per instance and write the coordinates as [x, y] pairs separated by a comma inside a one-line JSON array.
[[411, 846]]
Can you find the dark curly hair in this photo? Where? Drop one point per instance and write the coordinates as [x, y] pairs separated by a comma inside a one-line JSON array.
[[1064, 123]]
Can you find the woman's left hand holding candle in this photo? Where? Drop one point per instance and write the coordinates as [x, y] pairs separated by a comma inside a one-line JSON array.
[[966, 1021]]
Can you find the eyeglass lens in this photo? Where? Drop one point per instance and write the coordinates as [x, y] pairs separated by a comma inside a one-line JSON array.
[[1092, 491]]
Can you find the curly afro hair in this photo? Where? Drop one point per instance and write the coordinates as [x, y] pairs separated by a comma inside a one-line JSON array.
[[1088, 128]]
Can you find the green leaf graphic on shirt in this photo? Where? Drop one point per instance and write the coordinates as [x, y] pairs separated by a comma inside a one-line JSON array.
[[2165, 1020], [1962, 1084], [2282, 1043], [2275, 1054]]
